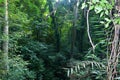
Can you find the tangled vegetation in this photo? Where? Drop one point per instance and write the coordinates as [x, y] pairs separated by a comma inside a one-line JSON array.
[[59, 39]]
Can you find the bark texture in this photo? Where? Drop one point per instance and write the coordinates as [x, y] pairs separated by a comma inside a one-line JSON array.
[[115, 51], [6, 38]]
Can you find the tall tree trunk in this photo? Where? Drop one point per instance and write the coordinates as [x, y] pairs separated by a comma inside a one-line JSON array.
[[115, 51], [73, 33], [6, 38], [56, 33], [79, 37], [0, 37], [52, 10]]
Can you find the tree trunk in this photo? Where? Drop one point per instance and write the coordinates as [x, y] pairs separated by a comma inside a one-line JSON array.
[[52, 10], [6, 38], [73, 33], [115, 51]]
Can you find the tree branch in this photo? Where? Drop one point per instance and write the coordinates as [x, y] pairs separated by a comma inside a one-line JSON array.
[[88, 30]]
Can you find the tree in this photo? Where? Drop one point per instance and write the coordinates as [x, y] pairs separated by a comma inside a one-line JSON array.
[[48, 37], [6, 38], [54, 23], [73, 30], [115, 51]]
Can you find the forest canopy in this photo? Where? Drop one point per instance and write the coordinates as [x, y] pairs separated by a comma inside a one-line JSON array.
[[59, 39]]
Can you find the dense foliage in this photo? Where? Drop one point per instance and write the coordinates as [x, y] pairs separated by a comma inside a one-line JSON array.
[[48, 39]]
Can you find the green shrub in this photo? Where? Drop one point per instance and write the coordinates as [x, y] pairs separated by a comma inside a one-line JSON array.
[[18, 69]]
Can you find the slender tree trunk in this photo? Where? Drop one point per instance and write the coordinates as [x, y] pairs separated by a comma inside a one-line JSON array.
[[56, 33], [52, 10], [6, 36], [73, 33], [79, 37], [0, 37]]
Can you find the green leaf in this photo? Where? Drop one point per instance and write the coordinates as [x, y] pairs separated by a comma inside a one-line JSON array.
[[83, 6], [1, 1], [101, 14], [106, 12], [109, 6], [113, 2], [95, 1], [98, 8], [107, 25], [102, 22], [104, 1], [107, 19], [91, 7], [117, 20]]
